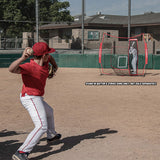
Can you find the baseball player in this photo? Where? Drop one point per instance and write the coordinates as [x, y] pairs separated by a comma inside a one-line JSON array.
[[133, 53], [34, 76]]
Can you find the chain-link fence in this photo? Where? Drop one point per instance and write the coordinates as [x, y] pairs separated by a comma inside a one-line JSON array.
[[11, 43], [16, 43], [55, 42]]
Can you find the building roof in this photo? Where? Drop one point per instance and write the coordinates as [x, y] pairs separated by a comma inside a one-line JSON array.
[[146, 19], [102, 20]]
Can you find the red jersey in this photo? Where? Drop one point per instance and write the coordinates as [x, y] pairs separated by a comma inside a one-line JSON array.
[[34, 78]]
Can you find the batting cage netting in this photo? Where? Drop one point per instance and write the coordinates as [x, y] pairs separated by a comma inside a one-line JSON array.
[[126, 56]]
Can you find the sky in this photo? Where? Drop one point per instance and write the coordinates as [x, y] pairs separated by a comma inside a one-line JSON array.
[[113, 7]]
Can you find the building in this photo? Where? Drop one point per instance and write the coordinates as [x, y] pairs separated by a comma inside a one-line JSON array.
[[68, 35]]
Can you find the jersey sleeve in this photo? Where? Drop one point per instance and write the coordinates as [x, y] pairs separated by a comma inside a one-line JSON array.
[[25, 68]]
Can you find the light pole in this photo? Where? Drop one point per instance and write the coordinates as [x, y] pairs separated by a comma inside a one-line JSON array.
[[82, 26], [37, 21], [129, 19], [1, 31]]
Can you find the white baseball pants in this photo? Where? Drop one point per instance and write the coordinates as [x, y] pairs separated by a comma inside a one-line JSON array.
[[134, 63], [42, 116]]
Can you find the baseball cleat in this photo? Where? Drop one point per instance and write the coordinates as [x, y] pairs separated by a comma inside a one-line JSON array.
[[20, 156], [56, 137]]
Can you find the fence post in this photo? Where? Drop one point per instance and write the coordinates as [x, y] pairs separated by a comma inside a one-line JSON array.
[[0, 42], [16, 40], [114, 47], [154, 47]]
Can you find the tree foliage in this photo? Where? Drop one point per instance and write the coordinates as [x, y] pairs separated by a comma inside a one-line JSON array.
[[17, 16], [59, 12]]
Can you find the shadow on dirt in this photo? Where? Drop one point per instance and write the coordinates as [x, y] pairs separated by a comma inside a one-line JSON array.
[[9, 147], [70, 142], [6, 133]]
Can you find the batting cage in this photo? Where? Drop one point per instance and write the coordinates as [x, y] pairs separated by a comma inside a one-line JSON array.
[[126, 56]]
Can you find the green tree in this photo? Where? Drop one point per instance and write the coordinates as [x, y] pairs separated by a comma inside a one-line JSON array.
[[17, 16], [59, 12]]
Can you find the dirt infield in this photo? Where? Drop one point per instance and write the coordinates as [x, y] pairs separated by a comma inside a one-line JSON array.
[[98, 122]]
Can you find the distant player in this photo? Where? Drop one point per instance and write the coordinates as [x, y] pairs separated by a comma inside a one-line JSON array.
[[133, 54], [34, 76]]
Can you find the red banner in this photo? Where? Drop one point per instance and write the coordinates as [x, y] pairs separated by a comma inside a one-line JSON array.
[[146, 54], [100, 52]]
